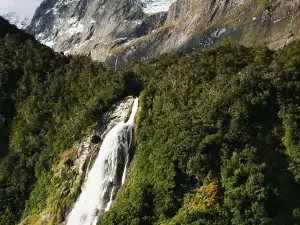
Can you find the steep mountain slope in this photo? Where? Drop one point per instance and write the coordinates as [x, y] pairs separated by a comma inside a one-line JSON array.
[[91, 27], [128, 30], [14, 18], [199, 24], [217, 134]]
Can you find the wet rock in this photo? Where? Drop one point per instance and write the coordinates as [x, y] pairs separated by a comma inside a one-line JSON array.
[[69, 163], [96, 139], [289, 34]]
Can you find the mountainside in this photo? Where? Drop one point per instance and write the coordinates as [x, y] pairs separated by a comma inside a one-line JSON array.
[[216, 136], [93, 27], [15, 19], [128, 30]]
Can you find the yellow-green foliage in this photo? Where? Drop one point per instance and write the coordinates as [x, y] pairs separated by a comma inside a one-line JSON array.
[[63, 190], [206, 198]]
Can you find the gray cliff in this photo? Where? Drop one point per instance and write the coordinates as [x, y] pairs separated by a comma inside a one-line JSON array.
[[118, 31]]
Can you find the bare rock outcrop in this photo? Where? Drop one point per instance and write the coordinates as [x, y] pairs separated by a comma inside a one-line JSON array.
[[119, 31]]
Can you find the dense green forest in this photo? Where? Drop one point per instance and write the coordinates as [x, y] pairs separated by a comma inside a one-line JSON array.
[[218, 139], [218, 132], [47, 101]]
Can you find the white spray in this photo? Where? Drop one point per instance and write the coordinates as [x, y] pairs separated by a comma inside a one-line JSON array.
[[107, 175]]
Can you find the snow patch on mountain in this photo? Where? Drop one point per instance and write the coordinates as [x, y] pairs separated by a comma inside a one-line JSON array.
[[15, 19], [155, 6], [75, 28]]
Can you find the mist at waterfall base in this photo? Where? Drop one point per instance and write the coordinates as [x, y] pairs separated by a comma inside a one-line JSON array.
[[107, 175]]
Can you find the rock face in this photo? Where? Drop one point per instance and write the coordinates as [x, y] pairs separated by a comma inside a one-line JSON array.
[[91, 27], [15, 19], [118, 31], [86, 147]]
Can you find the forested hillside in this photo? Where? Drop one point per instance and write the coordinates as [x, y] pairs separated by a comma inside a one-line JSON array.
[[218, 131], [47, 101], [218, 140]]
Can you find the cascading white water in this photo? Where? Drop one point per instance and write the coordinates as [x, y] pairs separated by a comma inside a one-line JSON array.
[[107, 175]]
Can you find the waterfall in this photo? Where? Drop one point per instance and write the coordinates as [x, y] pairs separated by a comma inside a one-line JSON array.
[[107, 174]]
